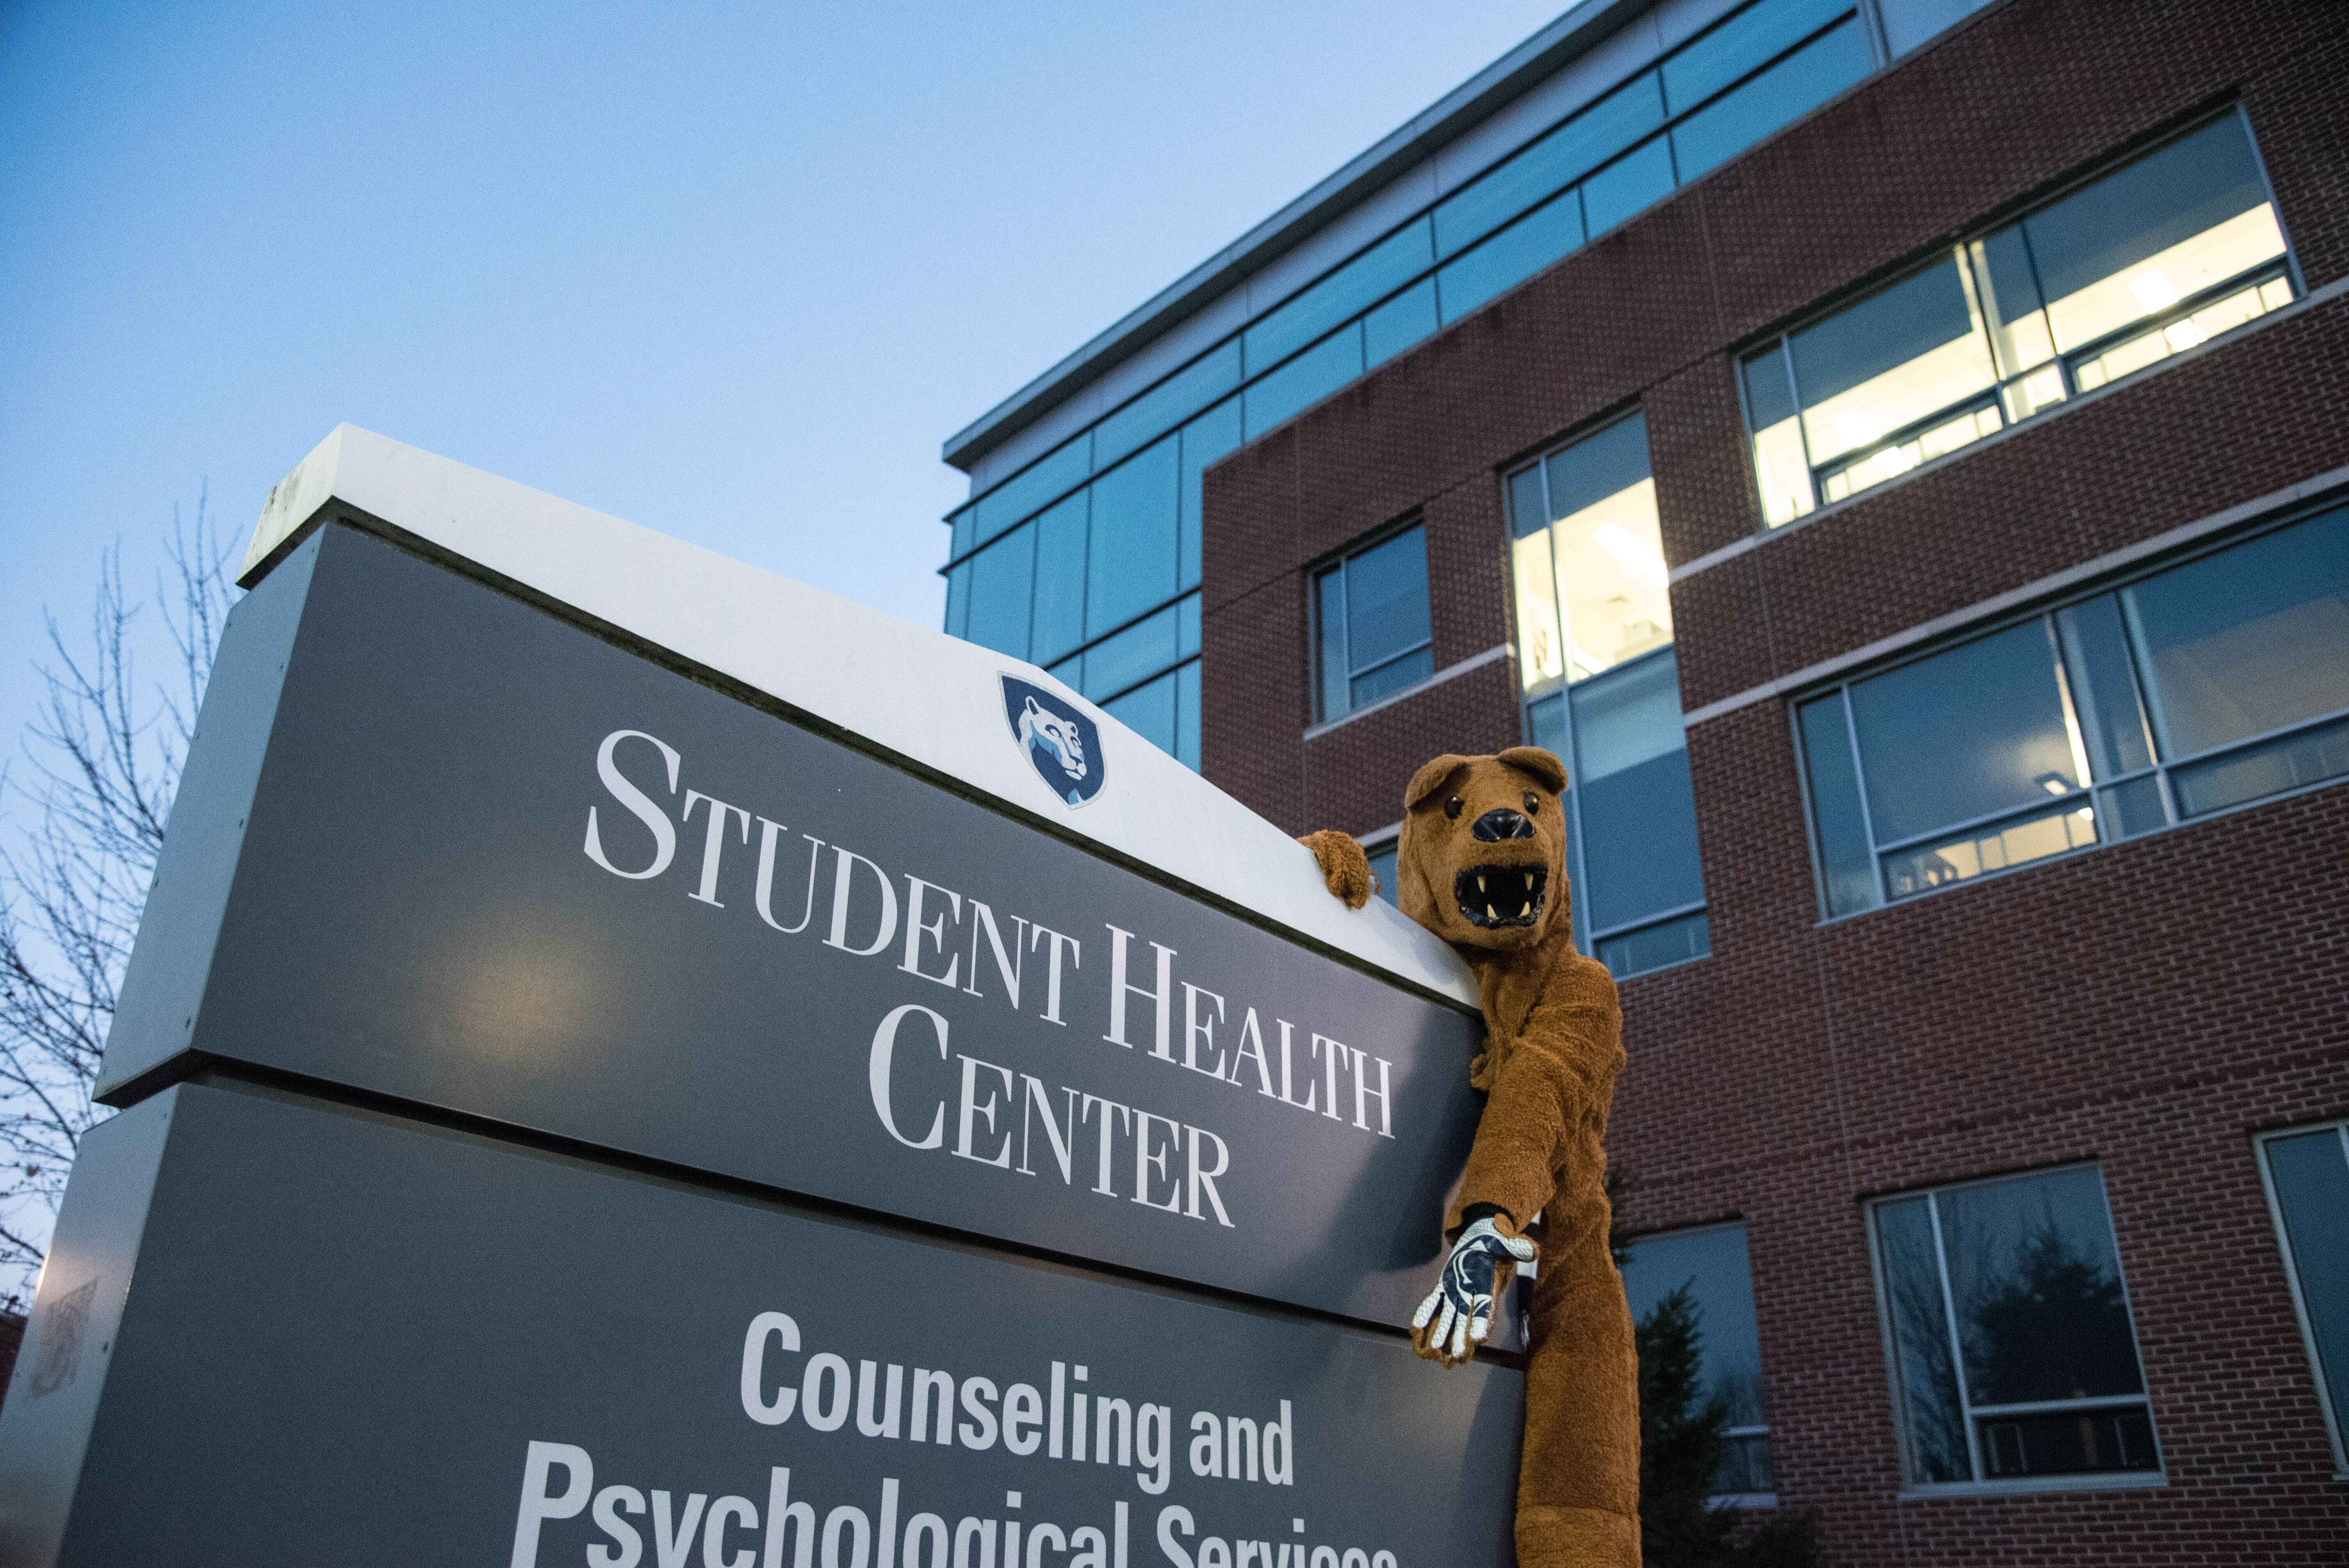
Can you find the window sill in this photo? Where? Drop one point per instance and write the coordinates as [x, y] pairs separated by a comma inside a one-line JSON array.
[[1728, 553], [1746, 1500], [1450, 672], [2138, 1480]]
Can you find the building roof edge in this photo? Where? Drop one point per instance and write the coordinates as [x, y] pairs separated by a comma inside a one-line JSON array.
[[1583, 24]]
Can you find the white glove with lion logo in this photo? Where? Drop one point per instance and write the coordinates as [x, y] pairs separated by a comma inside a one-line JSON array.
[[1465, 1293]]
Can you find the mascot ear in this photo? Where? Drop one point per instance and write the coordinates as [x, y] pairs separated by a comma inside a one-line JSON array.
[[1543, 765], [1432, 777]]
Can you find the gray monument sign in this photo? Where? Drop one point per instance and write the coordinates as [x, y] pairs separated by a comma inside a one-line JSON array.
[[631, 1059]]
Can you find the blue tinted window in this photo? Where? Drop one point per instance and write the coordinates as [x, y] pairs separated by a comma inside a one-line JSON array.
[[1908, 22], [1769, 400], [1970, 732], [1392, 676], [1373, 624], [1001, 577], [1931, 1412], [1639, 814], [1149, 712], [2248, 639], [1186, 634], [1890, 328], [1563, 156], [2310, 1174], [1047, 478], [1330, 621], [960, 540], [1186, 716], [2194, 184], [1386, 600], [1141, 650], [1305, 380], [1844, 854], [1528, 513], [1621, 188], [1400, 322], [1786, 92], [1599, 466], [2028, 1284], [1375, 273], [2103, 689], [1660, 946], [1060, 623], [1739, 44], [958, 600], [1511, 256], [1168, 404], [1999, 1241], [1212, 435], [1711, 1266], [1133, 561]]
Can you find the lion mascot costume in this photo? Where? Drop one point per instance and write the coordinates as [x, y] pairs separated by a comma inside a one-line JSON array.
[[1483, 865]]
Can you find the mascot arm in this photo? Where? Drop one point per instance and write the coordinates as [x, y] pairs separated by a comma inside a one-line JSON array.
[[1345, 870], [1548, 1109]]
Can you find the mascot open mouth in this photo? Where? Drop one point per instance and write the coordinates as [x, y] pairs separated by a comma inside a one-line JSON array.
[[1495, 897]]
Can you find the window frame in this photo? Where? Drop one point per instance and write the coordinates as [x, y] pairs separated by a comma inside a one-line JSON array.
[[2095, 791], [2332, 1417], [1587, 939], [1341, 562], [1984, 1486], [1740, 1499], [1964, 252]]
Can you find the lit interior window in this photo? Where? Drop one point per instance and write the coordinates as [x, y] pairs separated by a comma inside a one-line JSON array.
[[2168, 276], [1592, 589]]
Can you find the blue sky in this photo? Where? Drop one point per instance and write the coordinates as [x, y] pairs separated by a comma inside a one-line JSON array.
[[729, 273]]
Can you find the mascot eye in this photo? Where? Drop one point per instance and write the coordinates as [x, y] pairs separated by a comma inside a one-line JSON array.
[[1532, 804], [1452, 808]]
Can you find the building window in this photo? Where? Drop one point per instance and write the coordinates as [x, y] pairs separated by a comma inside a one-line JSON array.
[[1102, 586], [2158, 256], [1381, 855], [1749, 73], [1711, 1265], [2211, 684], [2014, 1354], [1370, 635], [1601, 688], [2307, 1176]]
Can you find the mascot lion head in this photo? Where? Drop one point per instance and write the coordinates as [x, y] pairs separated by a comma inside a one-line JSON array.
[[1482, 863]]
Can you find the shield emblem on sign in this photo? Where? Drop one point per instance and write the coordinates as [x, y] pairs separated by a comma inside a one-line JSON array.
[[1063, 745]]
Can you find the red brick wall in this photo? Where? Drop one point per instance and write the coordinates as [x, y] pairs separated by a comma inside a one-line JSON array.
[[2148, 1006]]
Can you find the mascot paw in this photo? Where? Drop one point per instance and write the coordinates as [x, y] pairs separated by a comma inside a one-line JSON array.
[[1457, 1315], [1345, 870]]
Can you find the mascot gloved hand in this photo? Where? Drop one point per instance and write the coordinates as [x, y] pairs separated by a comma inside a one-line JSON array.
[[1458, 1313]]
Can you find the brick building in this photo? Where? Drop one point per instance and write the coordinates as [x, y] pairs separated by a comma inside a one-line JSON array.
[[1898, 455]]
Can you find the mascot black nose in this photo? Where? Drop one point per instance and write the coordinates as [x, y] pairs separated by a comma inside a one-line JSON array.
[[1494, 826]]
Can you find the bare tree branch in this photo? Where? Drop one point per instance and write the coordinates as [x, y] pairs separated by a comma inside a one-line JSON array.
[[100, 762]]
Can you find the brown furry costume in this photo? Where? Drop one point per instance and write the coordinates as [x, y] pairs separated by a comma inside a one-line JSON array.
[[1483, 865]]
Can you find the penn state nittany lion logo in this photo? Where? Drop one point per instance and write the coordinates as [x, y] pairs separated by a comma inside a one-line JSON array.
[[1061, 743]]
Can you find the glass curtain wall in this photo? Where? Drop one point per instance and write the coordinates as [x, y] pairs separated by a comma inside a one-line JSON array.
[[1712, 1265], [2307, 1176], [2147, 261], [1750, 74], [2015, 1356], [2215, 683], [1101, 586], [1601, 688]]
